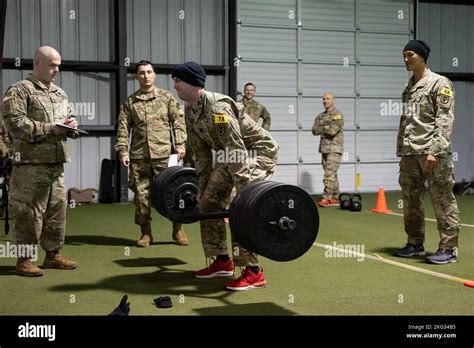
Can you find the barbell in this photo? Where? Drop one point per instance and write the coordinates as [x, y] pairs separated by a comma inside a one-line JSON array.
[[275, 220]]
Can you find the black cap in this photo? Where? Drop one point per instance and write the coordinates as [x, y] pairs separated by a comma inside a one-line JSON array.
[[190, 72], [418, 46]]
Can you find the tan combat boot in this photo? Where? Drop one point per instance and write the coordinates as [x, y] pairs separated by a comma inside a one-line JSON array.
[[146, 239], [178, 234], [26, 268], [54, 259]]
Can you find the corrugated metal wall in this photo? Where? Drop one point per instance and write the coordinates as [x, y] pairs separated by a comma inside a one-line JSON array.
[[449, 29], [462, 137], [296, 50], [164, 31], [80, 30], [174, 31]]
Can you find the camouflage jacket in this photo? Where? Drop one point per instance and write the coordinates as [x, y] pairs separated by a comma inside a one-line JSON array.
[[427, 117], [329, 124], [149, 118], [5, 142], [256, 110], [220, 124], [30, 110]]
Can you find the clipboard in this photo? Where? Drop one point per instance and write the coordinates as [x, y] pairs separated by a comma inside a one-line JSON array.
[[80, 131]]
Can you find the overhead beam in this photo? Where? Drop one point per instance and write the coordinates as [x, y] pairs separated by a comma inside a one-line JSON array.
[[120, 49], [3, 19], [232, 48]]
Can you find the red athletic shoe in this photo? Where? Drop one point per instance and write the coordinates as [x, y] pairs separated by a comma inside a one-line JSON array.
[[324, 203], [216, 269], [248, 280], [335, 202]]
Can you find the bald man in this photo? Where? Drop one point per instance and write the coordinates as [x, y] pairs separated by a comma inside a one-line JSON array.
[[328, 125], [32, 108]]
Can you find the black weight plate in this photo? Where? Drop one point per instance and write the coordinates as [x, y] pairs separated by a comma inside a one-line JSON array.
[[160, 182], [258, 190], [170, 199], [237, 218], [166, 191], [190, 213], [269, 239]]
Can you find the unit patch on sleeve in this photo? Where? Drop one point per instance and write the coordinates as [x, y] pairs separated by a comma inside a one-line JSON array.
[[7, 104], [445, 95]]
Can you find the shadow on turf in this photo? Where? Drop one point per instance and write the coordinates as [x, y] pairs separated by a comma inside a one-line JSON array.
[[150, 262], [7, 270], [163, 282], [98, 240], [106, 240], [167, 280], [391, 252], [176, 284], [263, 308]]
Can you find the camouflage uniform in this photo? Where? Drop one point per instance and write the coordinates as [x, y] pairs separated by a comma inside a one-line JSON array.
[[188, 157], [148, 116], [5, 143], [329, 124], [220, 124], [425, 128], [256, 110], [38, 192]]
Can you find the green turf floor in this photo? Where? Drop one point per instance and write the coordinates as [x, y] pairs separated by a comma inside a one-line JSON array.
[[101, 239]]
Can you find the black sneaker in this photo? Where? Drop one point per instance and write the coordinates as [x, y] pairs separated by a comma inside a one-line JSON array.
[[410, 250], [443, 256]]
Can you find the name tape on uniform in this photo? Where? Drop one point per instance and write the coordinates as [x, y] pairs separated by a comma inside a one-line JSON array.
[[221, 118]]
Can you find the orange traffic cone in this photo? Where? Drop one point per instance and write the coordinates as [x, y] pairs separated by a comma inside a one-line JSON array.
[[381, 206]]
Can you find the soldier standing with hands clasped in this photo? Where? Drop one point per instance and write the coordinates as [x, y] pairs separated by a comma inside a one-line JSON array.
[[328, 125], [148, 116], [424, 145]]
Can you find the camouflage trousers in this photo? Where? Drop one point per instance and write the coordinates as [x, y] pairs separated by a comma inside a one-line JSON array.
[[256, 174], [331, 162], [38, 205], [413, 175], [142, 172], [3, 147], [216, 198]]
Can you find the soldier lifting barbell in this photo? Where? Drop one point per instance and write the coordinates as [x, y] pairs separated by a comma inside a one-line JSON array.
[[216, 122]]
